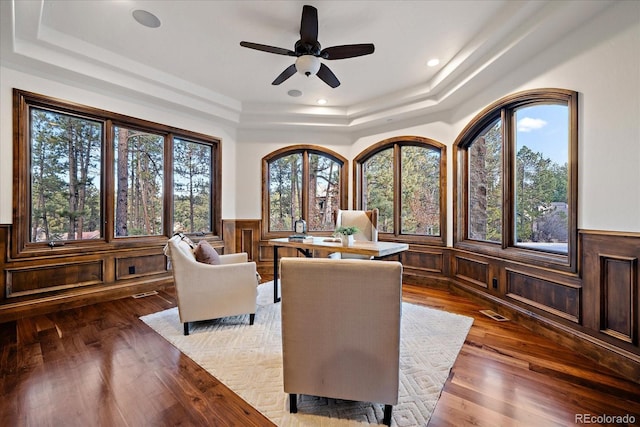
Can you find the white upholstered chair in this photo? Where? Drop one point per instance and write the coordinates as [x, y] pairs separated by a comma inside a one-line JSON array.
[[205, 291], [365, 221], [341, 329]]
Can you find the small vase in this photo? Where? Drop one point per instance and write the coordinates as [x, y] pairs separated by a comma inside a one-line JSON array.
[[347, 240]]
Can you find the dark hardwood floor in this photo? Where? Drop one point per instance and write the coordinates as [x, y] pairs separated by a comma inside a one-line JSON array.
[[101, 366]]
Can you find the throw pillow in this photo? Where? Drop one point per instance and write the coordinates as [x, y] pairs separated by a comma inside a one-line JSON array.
[[205, 253]]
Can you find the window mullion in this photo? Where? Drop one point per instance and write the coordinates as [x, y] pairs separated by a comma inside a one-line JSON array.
[[108, 182], [508, 191], [397, 190], [305, 186], [169, 185]]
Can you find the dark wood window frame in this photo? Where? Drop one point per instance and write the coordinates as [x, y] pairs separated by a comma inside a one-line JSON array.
[[504, 109], [396, 143], [305, 150], [23, 101]]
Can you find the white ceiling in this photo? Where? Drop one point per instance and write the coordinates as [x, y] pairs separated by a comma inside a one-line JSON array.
[[194, 61]]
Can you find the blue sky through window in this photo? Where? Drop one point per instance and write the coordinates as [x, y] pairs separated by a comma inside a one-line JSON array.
[[544, 129]]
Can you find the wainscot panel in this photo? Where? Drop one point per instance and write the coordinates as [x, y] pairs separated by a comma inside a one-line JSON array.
[[559, 299], [137, 266], [611, 288], [618, 302], [420, 259], [30, 280], [471, 270]]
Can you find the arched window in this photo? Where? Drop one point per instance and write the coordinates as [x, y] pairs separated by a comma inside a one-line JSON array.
[[405, 178], [516, 179], [302, 181]]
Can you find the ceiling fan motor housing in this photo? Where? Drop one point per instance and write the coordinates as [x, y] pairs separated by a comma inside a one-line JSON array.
[[306, 48]]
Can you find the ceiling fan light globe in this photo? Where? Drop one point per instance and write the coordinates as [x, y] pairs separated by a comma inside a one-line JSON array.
[[307, 65]]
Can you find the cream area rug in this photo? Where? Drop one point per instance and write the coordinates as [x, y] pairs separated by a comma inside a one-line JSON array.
[[248, 360]]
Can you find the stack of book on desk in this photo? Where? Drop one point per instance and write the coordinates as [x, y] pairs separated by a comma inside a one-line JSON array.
[[302, 238]]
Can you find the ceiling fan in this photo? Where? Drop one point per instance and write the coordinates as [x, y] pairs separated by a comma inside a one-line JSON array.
[[309, 52]]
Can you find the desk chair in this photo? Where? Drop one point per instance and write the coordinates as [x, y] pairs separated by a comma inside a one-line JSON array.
[[341, 329], [365, 221]]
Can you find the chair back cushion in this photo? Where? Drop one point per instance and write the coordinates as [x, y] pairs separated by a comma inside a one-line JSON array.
[[363, 220], [341, 328]]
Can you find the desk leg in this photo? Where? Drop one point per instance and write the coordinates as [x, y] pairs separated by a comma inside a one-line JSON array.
[[275, 275]]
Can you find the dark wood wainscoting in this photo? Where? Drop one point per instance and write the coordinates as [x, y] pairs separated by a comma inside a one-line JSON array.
[[48, 281], [595, 312], [610, 286]]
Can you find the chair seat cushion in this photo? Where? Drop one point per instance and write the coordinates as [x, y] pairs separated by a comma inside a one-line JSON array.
[[206, 254]]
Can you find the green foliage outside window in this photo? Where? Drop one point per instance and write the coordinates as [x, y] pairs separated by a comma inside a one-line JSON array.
[[65, 177], [192, 171], [416, 209], [285, 192], [139, 174]]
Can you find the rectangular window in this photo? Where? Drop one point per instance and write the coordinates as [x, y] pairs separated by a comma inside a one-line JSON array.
[[324, 192], [485, 185], [86, 177], [542, 178], [139, 175], [66, 157], [192, 179], [377, 188], [420, 182], [285, 192]]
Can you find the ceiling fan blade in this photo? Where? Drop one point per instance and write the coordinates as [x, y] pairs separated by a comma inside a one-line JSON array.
[[288, 72], [327, 76], [347, 51], [309, 25], [269, 49]]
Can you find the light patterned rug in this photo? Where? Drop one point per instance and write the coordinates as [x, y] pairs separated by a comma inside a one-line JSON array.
[[248, 359]]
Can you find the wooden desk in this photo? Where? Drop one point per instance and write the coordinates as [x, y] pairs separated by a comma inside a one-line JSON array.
[[374, 249]]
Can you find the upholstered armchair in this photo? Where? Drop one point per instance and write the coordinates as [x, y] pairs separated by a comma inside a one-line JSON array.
[[341, 329], [365, 221], [205, 291]]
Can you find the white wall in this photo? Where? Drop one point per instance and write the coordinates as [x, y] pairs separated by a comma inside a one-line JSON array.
[[10, 78]]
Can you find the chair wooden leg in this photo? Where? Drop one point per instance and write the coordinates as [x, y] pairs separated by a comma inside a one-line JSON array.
[[293, 403], [252, 318], [387, 415], [186, 328]]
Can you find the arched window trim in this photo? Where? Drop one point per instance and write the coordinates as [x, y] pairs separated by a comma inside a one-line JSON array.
[[504, 109], [305, 150], [396, 143]]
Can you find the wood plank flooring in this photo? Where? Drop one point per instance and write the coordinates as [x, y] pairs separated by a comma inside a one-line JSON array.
[[101, 366]]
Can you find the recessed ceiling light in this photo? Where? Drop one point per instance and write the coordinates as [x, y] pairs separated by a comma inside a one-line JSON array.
[[433, 62], [321, 101], [295, 93], [146, 18]]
